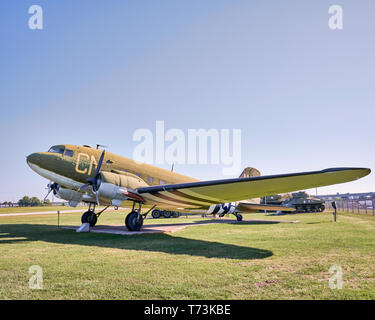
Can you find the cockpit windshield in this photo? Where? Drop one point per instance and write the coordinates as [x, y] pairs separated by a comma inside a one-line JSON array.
[[57, 149]]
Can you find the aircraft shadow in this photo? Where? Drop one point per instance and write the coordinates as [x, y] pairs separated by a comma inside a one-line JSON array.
[[212, 221], [146, 242]]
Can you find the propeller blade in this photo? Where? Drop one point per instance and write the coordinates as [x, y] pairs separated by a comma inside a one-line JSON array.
[[49, 191], [84, 186], [97, 198], [52, 187], [100, 163], [93, 182]]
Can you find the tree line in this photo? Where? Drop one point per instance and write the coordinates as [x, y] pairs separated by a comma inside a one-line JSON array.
[[27, 202]]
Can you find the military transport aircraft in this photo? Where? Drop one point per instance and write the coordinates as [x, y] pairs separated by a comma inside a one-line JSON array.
[[85, 174]]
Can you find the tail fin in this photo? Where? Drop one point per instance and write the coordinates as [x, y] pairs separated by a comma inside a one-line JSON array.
[[249, 172]]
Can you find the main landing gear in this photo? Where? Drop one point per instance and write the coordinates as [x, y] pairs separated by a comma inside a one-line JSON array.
[[91, 216], [239, 217], [134, 220], [236, 214]]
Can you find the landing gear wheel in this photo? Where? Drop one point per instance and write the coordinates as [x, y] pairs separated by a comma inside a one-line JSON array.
[[84, 217], [156, 214], [167, 214], [134, 221], [239, 217], [127, 221], [89, 217], [92, 219], [176, 214]]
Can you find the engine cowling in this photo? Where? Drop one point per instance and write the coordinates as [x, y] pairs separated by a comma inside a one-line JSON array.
[[69, 195], [115, 186]]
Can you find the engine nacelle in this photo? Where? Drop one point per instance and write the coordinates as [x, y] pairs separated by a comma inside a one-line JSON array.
[[69, 195], [115, 186]]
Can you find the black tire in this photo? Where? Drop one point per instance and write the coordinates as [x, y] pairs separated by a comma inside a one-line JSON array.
[[127, 221], [166, 214], [134, 221], [92, 220], [89, 217], [156, 214], [239, 217], [176, 214], [84, 217]]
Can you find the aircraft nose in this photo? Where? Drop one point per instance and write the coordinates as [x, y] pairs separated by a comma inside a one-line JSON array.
[[33, 158]]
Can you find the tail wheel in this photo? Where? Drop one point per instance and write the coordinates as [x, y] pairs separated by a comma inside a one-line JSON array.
[[134, 221]]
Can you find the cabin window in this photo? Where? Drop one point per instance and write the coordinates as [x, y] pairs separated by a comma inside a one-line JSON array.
[[55, 149], [162, 181], [69, 153], [150, 179], [109, 162]]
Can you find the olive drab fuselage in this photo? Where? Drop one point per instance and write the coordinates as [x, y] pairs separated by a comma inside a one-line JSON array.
[[79, 163]]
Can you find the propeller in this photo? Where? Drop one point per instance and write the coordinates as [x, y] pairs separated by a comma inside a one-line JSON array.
[[95, 181], [52, 187]]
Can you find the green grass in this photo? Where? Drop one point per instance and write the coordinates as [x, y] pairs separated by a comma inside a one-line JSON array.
[[222, 261], [36, 209]]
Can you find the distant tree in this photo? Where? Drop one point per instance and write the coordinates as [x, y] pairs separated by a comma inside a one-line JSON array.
[[24, 202], [34, 202], [47, 202]]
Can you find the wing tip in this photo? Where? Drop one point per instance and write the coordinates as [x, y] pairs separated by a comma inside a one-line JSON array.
[[364, 171]]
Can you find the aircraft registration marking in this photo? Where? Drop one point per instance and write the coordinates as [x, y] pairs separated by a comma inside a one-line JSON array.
[[92, 162]]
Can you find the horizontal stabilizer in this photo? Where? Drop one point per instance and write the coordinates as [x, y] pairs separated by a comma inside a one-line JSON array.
[[254, 207]]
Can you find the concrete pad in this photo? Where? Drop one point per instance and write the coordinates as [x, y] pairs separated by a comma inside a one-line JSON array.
[[170, 227]]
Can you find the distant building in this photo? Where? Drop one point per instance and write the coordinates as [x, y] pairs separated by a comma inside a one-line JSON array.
[[348, 196]]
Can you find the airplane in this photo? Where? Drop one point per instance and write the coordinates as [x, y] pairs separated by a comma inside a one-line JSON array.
[[91, 175]]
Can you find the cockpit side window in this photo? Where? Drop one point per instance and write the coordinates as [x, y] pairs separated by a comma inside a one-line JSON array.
[[68, 153], [57, 149]]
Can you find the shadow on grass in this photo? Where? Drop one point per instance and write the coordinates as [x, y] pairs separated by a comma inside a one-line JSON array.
[[215, 221], [146, 242]]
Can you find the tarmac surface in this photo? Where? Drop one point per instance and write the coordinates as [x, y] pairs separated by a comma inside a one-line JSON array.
[[170, 227]]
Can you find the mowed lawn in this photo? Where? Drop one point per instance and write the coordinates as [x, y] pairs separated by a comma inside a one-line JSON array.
[[7, 210], [251, 260]]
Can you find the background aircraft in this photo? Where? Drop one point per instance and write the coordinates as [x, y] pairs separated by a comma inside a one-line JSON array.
[[84, 174]]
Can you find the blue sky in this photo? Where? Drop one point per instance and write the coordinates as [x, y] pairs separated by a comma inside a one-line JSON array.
[[302, 94]]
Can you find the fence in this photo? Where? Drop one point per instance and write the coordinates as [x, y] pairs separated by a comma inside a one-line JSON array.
[[361, 205]]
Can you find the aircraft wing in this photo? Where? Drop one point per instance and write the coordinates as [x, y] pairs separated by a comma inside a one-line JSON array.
[[206, 193]]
